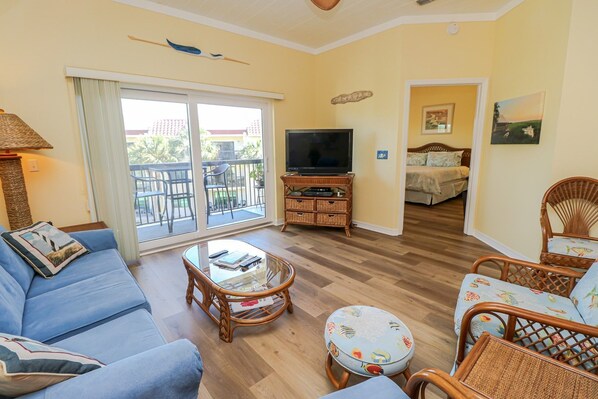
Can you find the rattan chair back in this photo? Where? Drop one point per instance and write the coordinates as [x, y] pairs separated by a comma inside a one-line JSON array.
[[575, 202]]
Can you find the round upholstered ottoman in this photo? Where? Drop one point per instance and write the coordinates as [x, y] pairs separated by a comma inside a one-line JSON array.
[[367, 341]]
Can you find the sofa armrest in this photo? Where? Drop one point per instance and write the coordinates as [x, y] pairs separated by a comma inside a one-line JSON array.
[[96, 240], [561, 339], [554, 280], [169, 371]]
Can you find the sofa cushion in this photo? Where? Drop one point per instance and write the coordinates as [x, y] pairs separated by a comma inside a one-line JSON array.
[[375, 388], [477, 288], [577, 247], [47, 249], [66, 310], [83, 268], [585, 296], [15, 265], [117, 339], [12, 303], [27, 365]]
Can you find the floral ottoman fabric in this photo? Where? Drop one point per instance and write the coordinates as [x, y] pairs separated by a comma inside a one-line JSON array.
[[577, 247], [368, 341], [477, 288]]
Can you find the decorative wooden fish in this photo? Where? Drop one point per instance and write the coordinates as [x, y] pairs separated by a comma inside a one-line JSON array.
[[351, 98], [188, 50]]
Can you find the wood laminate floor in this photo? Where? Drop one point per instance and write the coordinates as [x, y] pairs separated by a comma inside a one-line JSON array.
[[415, 276]]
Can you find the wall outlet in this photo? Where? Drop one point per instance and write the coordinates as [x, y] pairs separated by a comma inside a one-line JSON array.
[[382, 154], [32, 165]]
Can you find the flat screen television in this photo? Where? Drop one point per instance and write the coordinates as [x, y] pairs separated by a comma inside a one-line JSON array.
[[319, 151]]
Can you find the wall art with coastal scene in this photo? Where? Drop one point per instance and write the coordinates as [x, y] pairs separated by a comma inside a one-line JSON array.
[[438, 119], [518, 120]]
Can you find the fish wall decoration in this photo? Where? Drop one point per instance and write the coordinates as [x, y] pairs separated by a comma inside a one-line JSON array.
[[188, 50], [351, 98]]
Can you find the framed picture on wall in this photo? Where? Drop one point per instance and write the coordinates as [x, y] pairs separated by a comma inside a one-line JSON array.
[[438, 119], [518, 120]]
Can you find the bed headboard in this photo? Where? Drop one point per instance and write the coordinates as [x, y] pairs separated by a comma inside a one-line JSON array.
[[465, 160]]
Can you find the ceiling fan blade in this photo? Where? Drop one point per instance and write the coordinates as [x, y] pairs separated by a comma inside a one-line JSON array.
[[325, 5]]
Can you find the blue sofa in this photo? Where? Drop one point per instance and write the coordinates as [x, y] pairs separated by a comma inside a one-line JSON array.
[[95, 307]]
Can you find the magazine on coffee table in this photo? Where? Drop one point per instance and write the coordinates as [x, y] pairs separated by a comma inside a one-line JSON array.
[[250, 303]]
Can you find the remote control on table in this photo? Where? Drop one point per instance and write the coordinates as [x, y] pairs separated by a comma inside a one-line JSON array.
[[250, 261], [217, 254]]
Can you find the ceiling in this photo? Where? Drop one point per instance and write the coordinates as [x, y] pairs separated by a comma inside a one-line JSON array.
[[301, 25]]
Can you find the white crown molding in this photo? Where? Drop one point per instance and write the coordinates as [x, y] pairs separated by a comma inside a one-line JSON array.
[[406, 20], [500, 247], [188, 16], [507, 7]]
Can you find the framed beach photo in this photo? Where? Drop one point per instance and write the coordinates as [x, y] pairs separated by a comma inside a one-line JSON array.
[[438, 119]]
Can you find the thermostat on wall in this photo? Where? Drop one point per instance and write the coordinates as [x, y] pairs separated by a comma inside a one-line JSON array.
[[382, 154]]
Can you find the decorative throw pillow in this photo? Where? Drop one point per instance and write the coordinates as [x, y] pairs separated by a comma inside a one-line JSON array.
[[416, 158], [47, 249], [585, 296], [27, 365], [444, 159]]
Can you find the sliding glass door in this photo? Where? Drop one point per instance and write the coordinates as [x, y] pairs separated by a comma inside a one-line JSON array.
[[198, 164]]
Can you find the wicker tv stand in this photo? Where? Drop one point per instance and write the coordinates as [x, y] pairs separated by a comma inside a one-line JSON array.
[[334, 211]]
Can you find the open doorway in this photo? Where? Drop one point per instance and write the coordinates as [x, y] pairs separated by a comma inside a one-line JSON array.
[[441, 138]]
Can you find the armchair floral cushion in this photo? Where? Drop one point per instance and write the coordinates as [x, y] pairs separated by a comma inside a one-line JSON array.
[[585, 296], [477, 288], [579, 247]]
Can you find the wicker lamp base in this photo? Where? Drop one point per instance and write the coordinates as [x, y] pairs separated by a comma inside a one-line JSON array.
[[15, 193]]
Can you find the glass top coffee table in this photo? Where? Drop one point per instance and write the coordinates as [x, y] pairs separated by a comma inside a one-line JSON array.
[[245, 296]]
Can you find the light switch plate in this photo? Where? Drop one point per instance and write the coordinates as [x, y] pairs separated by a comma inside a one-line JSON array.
[[33, 166]]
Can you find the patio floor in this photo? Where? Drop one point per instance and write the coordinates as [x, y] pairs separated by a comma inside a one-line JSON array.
[[181, 226]]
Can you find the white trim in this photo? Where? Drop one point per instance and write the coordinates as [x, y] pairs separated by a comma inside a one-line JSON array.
[[378, 229], [279, 222], [507, 7], [500, 247], [404, 20], [169, 83], [199, 19], [192, 241], [476, 147]]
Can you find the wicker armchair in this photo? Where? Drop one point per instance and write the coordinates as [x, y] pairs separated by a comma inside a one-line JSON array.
[[551, 331], [575, 202]]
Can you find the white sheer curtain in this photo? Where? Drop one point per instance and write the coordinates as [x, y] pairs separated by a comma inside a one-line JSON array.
[[105, 151]]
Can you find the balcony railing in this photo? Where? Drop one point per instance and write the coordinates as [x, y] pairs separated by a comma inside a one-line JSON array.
[[164, 193]]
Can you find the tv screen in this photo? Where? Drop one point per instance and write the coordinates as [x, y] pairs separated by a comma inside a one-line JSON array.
[[319, 151]]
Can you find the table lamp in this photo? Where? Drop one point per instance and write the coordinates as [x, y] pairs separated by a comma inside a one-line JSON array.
[[16, 135]]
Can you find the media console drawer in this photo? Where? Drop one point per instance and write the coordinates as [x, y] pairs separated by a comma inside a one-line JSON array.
[[331, 219], [300, 217], [300, 204], [332, 205]]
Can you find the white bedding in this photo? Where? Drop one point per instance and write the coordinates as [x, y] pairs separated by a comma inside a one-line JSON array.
[[428, 179]]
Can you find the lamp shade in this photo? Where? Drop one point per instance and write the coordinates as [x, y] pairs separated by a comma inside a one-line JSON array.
[[16, 134]]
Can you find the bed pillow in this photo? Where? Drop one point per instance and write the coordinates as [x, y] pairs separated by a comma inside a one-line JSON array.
[[47, 249], [444, 159], [27, 365], [416, 158]]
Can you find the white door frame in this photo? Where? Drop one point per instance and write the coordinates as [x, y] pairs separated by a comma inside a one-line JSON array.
[[476, 146]]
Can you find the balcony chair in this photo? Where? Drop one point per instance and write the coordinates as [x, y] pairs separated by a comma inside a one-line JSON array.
[[215, 179], [152, 190], [575, 202]]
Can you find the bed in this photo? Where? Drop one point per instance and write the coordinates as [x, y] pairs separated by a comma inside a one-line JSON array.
[[431, 185]]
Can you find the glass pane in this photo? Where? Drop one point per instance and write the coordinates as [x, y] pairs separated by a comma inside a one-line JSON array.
[[157, 134], [233, 163]]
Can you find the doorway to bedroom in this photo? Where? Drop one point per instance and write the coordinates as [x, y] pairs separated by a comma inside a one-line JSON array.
[[440, 136]]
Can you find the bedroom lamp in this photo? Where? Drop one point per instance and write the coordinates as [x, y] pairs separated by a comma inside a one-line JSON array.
[[16, 135]]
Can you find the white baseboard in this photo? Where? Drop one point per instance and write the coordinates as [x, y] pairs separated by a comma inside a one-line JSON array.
[[279, 222], [378, 229], [500, 247]]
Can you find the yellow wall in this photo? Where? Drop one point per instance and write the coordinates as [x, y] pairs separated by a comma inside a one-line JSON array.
[[529, 57], [464, 97], [382, 63], [42, 37]]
